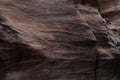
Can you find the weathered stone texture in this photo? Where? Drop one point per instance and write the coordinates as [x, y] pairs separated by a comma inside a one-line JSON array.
[[59, 40]]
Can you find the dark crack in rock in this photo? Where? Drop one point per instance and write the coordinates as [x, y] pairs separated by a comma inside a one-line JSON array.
[[59, 40]]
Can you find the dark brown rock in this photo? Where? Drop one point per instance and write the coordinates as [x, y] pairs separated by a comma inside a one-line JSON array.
[[59, 40]]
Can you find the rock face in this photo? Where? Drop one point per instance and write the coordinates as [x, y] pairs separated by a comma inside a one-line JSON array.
[[59, 40]]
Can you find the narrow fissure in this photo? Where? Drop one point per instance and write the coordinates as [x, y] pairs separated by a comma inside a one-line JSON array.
[[96, 66]]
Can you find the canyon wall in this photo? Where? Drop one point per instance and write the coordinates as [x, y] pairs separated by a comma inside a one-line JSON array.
[[59, 40]]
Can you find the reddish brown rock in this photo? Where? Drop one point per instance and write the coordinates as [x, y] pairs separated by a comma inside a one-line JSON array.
[[59, 40]]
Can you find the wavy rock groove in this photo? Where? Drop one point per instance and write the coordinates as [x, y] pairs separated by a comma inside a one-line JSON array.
[[59, 40]]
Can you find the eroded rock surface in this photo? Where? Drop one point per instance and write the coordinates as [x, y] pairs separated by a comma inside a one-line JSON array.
[[59, 40]]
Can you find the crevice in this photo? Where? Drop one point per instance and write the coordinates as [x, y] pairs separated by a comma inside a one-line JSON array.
[[97, 66]]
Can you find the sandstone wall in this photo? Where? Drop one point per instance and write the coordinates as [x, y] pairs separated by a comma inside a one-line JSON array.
[[59, 40]]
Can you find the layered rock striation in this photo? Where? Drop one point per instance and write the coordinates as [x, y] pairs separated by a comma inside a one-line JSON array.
[[59, 40]]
